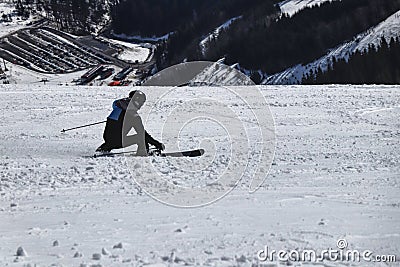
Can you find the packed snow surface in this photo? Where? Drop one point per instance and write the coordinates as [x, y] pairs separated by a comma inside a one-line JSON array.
[[336, 175]]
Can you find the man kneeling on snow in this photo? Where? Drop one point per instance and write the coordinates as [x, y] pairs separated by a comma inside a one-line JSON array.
[[121, 120]]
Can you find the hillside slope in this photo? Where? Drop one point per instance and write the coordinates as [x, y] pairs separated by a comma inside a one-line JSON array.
[[263, 40], [387, 29]]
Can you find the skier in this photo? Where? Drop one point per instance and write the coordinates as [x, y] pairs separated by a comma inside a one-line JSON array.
[[120, 122]]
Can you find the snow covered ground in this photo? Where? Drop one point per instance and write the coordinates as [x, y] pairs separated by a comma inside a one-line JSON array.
[[132, 52], [9, 27], [388, 28], [6, 27], [335, 175], [17, 74], [135, 54], [20, 75]]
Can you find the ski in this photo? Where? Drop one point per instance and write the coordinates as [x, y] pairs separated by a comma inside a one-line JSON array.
[[111, 154], [156, 153], [189, 153]]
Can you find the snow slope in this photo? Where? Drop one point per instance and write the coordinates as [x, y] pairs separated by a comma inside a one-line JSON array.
[[132, 52], [291, 7], [335, 175], [388, 29]]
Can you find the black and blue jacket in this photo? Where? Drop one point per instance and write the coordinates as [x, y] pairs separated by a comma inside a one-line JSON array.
[[115, 128]]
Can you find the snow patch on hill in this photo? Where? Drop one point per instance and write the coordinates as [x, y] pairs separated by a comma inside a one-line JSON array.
[[387, 29], [132, 52], [291, 7], [215, 33]]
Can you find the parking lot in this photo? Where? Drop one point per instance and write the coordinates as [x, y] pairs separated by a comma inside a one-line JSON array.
[[47, 50]]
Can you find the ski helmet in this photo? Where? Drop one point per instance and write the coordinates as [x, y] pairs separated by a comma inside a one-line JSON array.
[[138, 98]]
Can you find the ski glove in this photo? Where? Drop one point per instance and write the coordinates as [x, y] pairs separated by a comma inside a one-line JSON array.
[[160, 146]]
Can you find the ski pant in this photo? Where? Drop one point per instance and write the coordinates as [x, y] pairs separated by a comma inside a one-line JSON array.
[[116, 136]]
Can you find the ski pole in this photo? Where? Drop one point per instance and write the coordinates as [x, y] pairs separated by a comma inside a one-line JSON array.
[[83, 126]]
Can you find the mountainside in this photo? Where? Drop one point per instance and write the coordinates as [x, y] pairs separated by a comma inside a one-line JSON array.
[[275, 46], [159, 17], [264, 41], [272, 41], [375, 65], [389, 28]]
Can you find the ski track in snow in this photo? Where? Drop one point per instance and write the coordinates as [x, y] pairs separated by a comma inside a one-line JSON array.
[[335, 175]]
